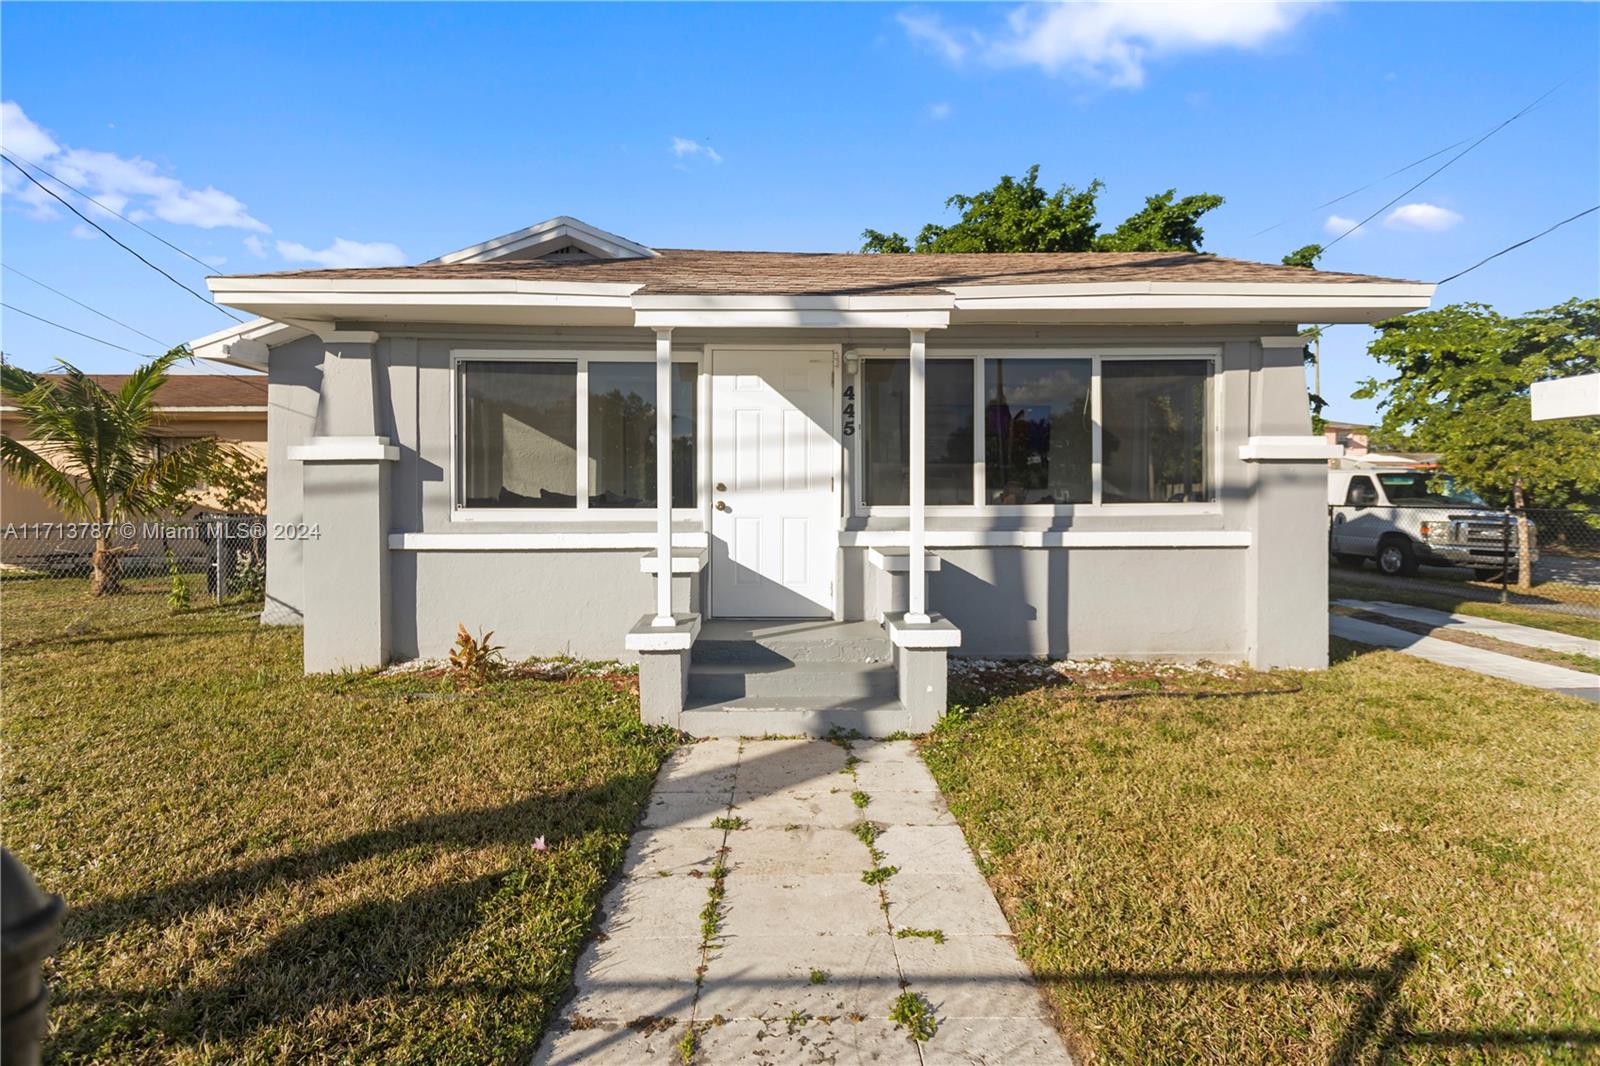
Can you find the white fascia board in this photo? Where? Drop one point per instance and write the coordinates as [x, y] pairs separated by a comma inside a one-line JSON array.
[[562, 229], [1357, 301], [245, 345], [771, 302], [792, 312]]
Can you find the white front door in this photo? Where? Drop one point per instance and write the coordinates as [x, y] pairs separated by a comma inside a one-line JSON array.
[[774, 517]]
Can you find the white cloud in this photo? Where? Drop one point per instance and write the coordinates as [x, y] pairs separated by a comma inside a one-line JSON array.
[[930, 30], [343, 253], [939, 111], [83, 232], [255, 246], [683, 147], [131, 185], [1108, 41], [1338, 226], [1422, 216]]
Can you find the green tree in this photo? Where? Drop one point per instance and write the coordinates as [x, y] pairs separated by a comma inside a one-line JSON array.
[[93, 453], [1304, 256], [1022, 216], [1461, 388]]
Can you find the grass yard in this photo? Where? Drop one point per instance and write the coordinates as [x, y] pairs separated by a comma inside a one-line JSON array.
[[1395, 863], [1441, 597], [266, 867]]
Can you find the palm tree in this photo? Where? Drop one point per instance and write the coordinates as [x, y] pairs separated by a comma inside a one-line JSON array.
[[93, 452]]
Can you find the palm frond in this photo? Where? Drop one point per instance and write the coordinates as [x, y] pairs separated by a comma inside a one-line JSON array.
[[27, 467]]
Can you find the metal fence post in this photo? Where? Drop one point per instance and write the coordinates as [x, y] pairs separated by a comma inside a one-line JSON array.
[[1505, 559]]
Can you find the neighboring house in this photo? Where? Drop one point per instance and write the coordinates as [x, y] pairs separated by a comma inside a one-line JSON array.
[[231, 407], [734, 464], [1355, 439]]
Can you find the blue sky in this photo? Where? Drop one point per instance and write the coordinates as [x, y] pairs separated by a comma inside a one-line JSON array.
[[278, 136]]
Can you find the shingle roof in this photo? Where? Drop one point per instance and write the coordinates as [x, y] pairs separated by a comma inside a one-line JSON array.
[[198, 390], [677, 271]]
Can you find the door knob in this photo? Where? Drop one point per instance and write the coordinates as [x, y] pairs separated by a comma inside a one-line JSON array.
[[721, 506], [721, 487]]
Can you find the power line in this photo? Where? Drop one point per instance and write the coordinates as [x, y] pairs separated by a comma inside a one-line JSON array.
[[69, 329], [83, 305], [1364, 188], [1440, 169], [56, 196], [67, 185], [1519, 244]]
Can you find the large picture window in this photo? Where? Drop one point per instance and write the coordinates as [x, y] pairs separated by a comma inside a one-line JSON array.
[[1038, 431], [1155, 447], [522, 444], [1044, 418], [886, 400]]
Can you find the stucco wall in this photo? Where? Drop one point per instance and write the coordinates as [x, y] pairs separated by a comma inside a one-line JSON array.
[[1180, 602]]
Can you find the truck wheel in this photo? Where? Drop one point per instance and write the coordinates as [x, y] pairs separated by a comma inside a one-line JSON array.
[[1396, 558], [1350, 562]]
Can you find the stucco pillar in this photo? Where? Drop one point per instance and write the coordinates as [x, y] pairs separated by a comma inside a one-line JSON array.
[[1286, 582], [345, 471], [917, 575]]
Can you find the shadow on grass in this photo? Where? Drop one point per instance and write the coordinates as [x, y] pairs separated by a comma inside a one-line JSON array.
[[1380, 1027]]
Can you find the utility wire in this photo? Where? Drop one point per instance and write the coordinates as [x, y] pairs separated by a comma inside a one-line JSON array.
[[1364, 188], [1434, 173], [83, 305], [215, 307], [1519, 244], [69, 329], [53, 176]]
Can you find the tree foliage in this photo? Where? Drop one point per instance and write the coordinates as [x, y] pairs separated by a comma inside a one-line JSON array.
[[94, 454], [1022, 216], [1304, 256], [1462, 388]]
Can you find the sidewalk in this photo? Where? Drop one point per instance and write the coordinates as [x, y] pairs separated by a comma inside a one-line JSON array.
[[1527, 636], [742, 917], [1449, 653]]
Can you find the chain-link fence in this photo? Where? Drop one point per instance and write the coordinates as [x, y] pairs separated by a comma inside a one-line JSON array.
[[1535, 556], [220, 556]]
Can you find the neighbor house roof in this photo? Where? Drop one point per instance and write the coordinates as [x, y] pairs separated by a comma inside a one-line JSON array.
[[690, 272], [197, 392]]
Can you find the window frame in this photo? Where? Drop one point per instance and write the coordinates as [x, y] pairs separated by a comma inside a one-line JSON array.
[[582, 512], [1211, 354]]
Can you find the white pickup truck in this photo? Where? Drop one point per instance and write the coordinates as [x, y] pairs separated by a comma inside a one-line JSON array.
[[1403, 519]]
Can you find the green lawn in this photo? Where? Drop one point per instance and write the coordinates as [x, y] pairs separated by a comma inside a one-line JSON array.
[[1395, 863], [1442, 597], [265, 867]]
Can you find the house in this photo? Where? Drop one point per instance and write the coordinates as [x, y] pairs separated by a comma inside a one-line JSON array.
[[1355, 440], [230, 407], [791, 484]]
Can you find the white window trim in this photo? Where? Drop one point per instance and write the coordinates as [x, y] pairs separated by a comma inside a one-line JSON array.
[[1098, 356], [582, 512]]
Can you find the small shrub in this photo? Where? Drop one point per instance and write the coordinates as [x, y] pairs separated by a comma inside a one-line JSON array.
[[178, 590], [474, 661]]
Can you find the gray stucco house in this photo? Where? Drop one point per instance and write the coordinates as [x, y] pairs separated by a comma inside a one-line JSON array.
[[791, 484]]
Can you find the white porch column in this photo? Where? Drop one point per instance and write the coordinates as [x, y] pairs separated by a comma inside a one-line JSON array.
[[664, 478], [917, 593]]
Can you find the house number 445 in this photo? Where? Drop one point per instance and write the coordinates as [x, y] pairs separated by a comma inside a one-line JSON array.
[[849, 428]]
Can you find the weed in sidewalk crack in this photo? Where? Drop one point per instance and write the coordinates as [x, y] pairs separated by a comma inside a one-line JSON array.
[[728, 823], [878, 874], [913, 1013], [935, 935], [819, 977], [860, 799]]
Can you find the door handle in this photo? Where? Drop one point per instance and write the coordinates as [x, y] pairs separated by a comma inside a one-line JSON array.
[[721, 506], [721, 487]]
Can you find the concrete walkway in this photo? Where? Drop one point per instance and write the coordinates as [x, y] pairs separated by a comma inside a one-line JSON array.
[[789, 956], [1448, 653], [1527, 636]]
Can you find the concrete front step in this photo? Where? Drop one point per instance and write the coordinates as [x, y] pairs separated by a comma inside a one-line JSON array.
[[825, 681], [781, 642], [787, 716]]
